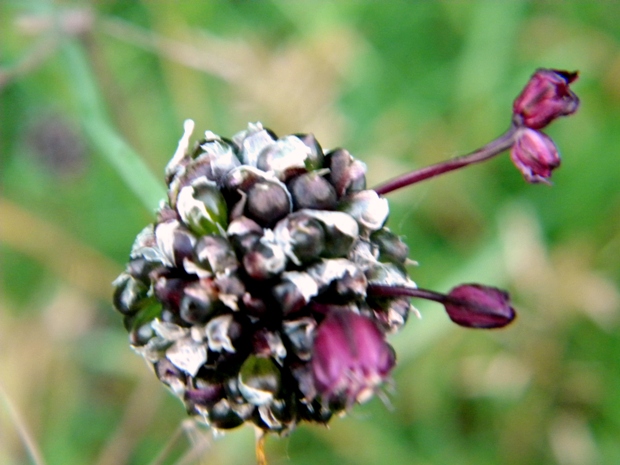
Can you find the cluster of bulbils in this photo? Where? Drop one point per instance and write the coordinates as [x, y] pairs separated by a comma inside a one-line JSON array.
[[265, 289]]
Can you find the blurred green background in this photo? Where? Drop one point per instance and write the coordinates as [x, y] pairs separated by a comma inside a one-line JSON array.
[[92, 100]]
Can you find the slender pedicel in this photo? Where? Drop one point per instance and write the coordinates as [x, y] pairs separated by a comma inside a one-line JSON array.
[[401, 291], [492, 149]]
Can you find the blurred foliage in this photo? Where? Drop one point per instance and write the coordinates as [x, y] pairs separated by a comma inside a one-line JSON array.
[[85, 86]]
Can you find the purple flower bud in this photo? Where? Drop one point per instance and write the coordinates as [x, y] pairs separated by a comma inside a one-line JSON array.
[[478, 306], [350, 358], [545, 97], [535, 155]]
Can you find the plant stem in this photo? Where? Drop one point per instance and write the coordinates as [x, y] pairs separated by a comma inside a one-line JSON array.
[[261, 458], [398, 291], [493, 148]]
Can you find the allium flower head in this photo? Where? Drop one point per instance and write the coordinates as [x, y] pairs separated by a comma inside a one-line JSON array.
[[249, 293], [264, 290]]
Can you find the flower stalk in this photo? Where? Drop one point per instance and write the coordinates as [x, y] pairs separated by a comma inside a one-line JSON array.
[[259, 446], [490, 150]]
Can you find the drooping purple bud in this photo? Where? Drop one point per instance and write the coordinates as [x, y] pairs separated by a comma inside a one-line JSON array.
[[350, 358], [227, 415], [478, 306], [300, 334], [289, 296], [535, 155], [244, 233], [546, 96]]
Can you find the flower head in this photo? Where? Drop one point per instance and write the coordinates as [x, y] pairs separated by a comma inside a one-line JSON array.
[[545, 97], [264, 290], [535, 155], [249, 293], [350, 358]]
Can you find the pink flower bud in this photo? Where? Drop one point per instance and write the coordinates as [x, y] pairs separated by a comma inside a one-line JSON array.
[[545, 97], [478, 306], [350, 358], [535, 155]]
